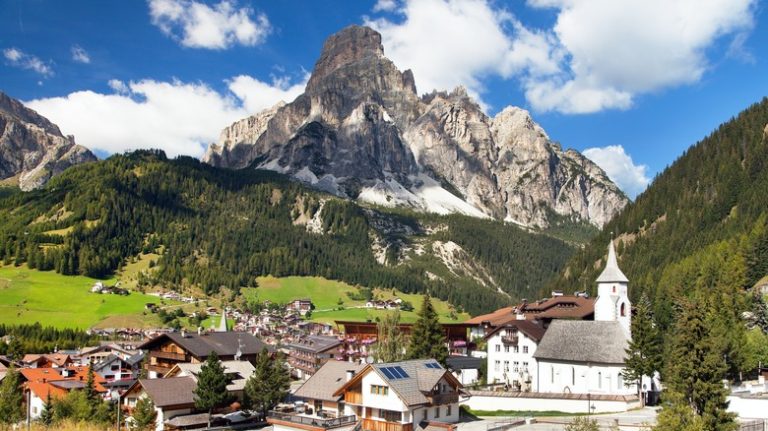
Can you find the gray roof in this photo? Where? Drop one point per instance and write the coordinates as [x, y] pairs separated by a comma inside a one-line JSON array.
[[242, 369], [315, 343], [327, 380], [464, 362], [612, 273], [171, 391], [583, 341], [420, 379], [223, 343]]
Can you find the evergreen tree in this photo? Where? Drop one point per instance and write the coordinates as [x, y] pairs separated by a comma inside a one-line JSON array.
[[427, 335], [269, 383], [46, 416], [11, 398], [696, 368], [144, 415], [644, 351], [211, 391], [389, 343], [90, 384]]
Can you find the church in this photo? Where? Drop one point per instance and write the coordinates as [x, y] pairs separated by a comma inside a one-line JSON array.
[[587, 356]]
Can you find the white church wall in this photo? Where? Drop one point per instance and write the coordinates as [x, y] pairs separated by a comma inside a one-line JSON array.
[[520, 402], [580, 378]]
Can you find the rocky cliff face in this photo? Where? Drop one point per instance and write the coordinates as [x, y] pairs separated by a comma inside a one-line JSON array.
[[32, 149], [361, 131]]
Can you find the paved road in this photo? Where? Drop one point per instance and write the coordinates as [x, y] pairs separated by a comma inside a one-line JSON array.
[[634, 420]]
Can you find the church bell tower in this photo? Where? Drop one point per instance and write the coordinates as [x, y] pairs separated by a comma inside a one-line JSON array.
[[612, 302]]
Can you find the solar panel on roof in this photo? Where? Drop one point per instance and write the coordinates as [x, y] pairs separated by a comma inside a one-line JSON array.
[[433, 365], [401, 372], [388, 372]]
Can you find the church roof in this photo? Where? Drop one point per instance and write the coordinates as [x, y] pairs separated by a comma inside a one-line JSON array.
[[583, 341], [612, 273]]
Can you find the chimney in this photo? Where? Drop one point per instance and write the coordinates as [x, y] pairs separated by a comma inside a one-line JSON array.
[[183, 333], [350, 374], [199, 330]]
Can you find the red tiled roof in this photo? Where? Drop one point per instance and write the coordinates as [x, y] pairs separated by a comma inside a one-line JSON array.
[[38, 380]]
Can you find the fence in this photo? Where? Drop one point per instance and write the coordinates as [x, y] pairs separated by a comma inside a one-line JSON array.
[[752, 425]]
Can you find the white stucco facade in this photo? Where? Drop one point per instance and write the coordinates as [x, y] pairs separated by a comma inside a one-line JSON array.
[[512, 363], [582, 378]]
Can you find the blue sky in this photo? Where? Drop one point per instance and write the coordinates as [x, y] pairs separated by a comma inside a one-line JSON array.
[[631, 83]]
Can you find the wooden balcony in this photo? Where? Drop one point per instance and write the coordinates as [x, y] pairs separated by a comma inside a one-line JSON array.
[[308, 423], [159, 370], [444, 398], [167, 355], [377, 425], [351, 397], [510, 339]]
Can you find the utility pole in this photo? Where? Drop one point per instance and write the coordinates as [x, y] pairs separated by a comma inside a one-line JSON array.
[[118, 409], [29, 409]]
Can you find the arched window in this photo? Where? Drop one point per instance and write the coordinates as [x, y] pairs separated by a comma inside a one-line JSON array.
[[552, 371], [623, 309], [573, 376], [599, 380], [613, 288]]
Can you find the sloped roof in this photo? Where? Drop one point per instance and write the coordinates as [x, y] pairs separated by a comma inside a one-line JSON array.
[[464, 362], [612, 273], [41, 380], [243, 368], [496, 318], [583, 341], [527, 327], [172, 391], [223, 343], [420, 379], [327, 380], [315, 343]]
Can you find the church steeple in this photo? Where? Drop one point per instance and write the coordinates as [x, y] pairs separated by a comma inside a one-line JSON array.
[[612, 302], [612, 273]]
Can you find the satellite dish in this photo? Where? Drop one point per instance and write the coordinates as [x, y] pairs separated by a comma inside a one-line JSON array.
[[369, 360]]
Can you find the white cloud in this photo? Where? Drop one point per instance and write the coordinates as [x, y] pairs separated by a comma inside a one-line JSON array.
[[385, 6], [618, 165], [219, 26], [177, 117], [600, 54], [80, 55], [258, 95], [19, 58]]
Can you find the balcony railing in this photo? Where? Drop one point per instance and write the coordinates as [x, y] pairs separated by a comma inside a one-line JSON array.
[[273, 416], [444, 398], [510, 339], [168, 355], [374, 425]]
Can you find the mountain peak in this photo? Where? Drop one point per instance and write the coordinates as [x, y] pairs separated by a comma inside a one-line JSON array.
[[350, 45], [360, 131]]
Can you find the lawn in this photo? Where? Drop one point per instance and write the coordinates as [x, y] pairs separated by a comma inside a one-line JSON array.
[[325, 295], [30, 296]]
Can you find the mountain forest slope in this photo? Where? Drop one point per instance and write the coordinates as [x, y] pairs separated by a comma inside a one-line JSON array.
[[218, 228], [702, 224]]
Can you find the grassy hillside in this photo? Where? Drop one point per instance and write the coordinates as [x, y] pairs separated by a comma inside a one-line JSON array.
[[211, 230], [29, 296], [326, 295]]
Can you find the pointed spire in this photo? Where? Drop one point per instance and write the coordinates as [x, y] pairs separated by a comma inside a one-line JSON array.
[[612, 273], [223, 322]]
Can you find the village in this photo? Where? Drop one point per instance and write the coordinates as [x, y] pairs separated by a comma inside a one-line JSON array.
[[565, 353]]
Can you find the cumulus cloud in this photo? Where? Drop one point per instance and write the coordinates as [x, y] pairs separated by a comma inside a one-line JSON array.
[[18, 58], [600, 54], [177, 117], [218, 26], [80, 55], [618, 165]]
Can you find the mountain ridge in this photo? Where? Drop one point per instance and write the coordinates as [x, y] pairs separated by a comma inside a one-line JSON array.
[[361, 131], [32, 148]]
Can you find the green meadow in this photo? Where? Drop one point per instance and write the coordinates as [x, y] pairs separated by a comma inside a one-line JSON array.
[[30, 296]]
